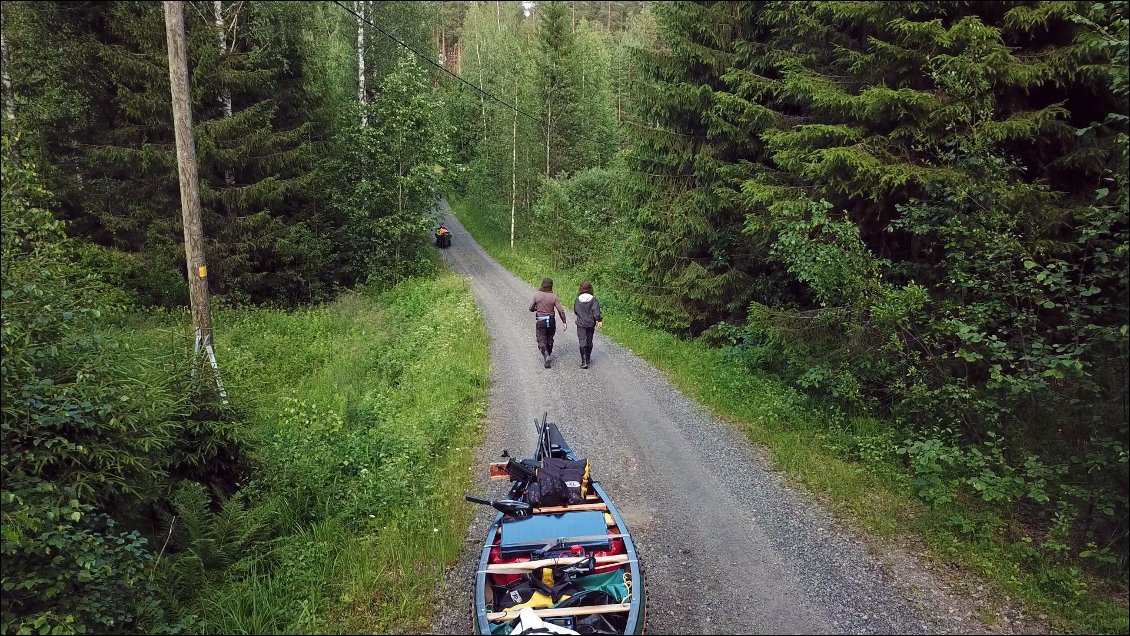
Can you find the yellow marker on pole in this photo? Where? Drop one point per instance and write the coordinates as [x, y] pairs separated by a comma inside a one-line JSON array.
[[203, 271]]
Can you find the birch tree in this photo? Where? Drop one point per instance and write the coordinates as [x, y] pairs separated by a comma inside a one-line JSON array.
[[362, 93]]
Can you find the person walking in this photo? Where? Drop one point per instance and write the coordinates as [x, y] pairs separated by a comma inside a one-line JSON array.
[[587, 310], [544, 304]]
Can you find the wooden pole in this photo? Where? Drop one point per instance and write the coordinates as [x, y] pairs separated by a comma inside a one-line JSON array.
[[189, 186]]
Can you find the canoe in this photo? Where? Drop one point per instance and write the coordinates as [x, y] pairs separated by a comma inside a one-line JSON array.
[[580, 556]]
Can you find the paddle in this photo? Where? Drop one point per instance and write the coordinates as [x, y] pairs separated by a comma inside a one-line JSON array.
[[505, 506]]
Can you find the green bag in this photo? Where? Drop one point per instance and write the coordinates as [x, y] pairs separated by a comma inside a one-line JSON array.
[[610, 582]]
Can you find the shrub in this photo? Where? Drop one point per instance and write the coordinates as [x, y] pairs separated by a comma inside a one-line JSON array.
[[69, 570]]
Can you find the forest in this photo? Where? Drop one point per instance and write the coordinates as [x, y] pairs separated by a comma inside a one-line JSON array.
[[912, 217]]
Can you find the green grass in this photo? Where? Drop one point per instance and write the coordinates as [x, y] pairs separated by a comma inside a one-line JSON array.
[[874, 496], [363, 416]]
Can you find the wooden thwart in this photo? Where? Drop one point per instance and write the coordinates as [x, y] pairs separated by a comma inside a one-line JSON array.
[[518, 568], [574, 508], [495, 617]]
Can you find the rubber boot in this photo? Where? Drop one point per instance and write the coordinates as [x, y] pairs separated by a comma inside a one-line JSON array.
[[544, 357], [584, 361], [588, 356]]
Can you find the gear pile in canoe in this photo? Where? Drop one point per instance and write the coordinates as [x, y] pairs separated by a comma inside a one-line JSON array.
[[558, 557]]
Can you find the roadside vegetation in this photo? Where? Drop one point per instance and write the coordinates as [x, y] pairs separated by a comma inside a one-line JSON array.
[[855, 464], [888, 239], [324, 498]]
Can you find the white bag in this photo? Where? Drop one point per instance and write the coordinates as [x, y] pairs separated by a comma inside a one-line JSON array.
[[529, 623]]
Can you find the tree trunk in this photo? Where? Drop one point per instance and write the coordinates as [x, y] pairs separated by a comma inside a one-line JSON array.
[[9, 97], [362, 95], [225, 92], [548, 128], [482, 95], [399, 201], [514, 167]]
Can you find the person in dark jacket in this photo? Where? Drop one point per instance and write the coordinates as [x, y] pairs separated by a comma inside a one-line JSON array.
[[544, 304], [587, 309]]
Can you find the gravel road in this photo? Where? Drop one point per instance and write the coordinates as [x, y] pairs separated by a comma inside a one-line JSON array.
[[726, 545]]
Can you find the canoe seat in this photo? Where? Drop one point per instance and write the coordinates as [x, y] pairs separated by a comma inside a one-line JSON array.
[[520, 536]]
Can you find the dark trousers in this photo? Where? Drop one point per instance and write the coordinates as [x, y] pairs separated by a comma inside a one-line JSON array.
[[546, 329], [584, 336]]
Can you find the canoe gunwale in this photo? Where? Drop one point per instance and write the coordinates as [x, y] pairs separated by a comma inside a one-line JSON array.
[[636, 601]]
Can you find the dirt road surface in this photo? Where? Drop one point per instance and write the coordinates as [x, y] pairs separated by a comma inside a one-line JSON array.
[[726, 545]]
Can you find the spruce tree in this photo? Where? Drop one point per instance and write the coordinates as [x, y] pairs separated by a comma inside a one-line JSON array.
[[919, 207], [258, 179], [686, 236], [559, 84]]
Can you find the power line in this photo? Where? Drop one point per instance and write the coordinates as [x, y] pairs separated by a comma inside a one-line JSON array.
[[439, 66]]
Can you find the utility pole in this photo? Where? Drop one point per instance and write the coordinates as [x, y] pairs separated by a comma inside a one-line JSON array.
[[189, 191]]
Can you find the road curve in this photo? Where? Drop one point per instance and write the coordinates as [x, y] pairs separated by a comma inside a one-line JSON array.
[[726, 546]]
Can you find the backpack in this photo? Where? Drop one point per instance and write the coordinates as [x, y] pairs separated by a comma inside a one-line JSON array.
[[548, 491], [575, 475]]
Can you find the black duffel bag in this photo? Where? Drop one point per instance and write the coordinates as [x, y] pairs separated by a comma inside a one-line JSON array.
[[575, 474], [549, 490]]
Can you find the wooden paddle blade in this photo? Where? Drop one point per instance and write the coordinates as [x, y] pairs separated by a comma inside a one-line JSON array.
[[498, 471]]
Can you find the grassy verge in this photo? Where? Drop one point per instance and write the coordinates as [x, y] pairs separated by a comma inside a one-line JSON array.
[[362, 414], [850, 468]]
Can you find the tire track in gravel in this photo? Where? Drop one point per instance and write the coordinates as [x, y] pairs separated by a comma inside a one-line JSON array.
[[725, 545]]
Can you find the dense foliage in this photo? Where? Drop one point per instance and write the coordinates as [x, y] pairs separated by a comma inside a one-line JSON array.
[[133, 499], [274, 108], [913, 211], [95, 435], [560, 67], [917, 209], [916, 213]]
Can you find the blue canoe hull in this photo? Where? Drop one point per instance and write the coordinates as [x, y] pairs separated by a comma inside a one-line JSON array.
[[636, 616]]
